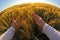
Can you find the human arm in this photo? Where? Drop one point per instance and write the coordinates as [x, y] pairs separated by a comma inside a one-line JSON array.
[[8, 35], [51, 33]]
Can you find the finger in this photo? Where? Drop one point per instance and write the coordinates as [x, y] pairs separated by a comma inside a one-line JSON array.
[[21, 18], [36, 16], [33, 15], [13, 20]]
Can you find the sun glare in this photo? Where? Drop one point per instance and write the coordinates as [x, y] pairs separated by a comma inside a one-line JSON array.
[[31, 1], [28, 1]]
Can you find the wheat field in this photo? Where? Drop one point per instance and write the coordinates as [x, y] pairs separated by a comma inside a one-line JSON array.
[[28, 29]]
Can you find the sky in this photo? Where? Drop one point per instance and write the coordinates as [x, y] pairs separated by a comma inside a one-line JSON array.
[[4, 4]]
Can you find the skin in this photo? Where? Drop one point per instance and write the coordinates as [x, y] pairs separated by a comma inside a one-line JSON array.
[[38, 20], [16, 23]]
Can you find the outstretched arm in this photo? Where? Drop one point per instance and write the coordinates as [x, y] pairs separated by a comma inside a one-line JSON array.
[[8, 35], [52, 33]]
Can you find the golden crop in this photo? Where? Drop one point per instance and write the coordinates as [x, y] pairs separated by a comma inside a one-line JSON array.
[[28, 29]]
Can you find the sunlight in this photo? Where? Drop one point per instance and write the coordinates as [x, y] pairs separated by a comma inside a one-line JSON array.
[[16, 2], [30, 1]]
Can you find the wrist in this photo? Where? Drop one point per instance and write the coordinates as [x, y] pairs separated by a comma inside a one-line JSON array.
[[12, 28], [15, 26], [41, 25]]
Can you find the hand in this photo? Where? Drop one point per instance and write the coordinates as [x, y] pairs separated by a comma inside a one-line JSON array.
[[38, 20], [15, 23]]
